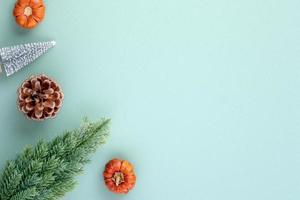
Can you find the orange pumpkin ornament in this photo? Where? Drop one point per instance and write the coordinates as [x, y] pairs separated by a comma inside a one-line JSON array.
[[119, 176], [29, 13]]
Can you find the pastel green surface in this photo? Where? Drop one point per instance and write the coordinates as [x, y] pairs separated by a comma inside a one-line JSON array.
[[204, 95]]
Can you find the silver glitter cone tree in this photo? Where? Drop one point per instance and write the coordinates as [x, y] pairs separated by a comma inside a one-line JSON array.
[[16, 57]]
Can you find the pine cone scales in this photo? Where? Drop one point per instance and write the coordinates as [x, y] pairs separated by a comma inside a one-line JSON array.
[[40, 97]]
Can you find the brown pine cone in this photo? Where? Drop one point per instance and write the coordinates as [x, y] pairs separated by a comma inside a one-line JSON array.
[[40, 98]]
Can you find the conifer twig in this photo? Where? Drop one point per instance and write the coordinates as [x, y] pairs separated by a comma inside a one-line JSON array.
[[47, 171]]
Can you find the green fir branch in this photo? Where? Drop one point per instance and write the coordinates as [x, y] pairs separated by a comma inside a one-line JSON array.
[[47, 171]]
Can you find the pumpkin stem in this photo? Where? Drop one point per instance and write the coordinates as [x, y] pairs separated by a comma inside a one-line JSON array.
[[118, 178], [28, 11]]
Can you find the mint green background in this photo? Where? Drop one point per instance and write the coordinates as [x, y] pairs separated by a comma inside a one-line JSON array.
[[204, 94]]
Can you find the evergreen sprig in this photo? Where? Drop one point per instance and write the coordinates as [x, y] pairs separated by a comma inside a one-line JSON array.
[[47, 171]]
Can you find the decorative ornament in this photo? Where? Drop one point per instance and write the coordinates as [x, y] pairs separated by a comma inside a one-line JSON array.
[[48, 170], [40, 98], [119, 176], [16, 57], [29, 13]]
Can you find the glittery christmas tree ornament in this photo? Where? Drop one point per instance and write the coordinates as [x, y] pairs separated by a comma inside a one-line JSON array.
[[14, 58]]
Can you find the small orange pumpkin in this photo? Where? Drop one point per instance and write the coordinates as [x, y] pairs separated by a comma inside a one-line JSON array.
[[29, 13], [119, 176]]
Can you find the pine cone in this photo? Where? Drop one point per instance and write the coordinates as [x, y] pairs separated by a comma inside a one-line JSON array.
[[40, 98]]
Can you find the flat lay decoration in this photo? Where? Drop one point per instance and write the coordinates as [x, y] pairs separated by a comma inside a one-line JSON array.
[[29, 13], [16, 57], [47, 171], [40, 98], [119, 176]]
